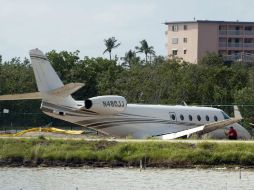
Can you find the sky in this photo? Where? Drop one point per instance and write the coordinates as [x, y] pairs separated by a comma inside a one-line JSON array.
[[84, 24]]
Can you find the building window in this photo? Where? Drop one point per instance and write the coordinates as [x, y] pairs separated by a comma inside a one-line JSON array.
[[174, 52], [198, 117], [174, 40], [190, 117], [184, 51], [184, 40], [181, 117], [175, 28], [185, 27]]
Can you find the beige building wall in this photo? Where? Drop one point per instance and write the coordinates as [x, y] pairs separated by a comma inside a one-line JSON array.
[[187, 50]]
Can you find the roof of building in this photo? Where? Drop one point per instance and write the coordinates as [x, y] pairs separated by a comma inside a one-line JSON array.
[[209, 21]]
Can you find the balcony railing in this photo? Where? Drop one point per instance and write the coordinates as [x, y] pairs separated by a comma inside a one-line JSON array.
[[223, 32], [248, 45], [245, 57], [235, 45], [236, 32], [249, 32], [231, 32], [223, 44]]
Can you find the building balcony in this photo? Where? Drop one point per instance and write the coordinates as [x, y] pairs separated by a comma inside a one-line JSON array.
[[249, 32], [248, 45], [223, 44], [235, 45], [236, 32], [239, 57], [231, 32], [230, 45], [223, 32]]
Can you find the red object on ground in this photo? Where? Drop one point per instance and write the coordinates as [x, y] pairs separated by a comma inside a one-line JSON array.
[[232, 134]]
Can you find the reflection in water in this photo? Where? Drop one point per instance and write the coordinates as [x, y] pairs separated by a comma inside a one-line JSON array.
[[120, 178]]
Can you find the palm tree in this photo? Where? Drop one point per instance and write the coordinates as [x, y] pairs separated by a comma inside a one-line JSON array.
[[110, 44], [144, 48], [129, 57]]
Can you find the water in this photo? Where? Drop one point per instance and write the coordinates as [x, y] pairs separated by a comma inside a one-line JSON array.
[[109, 179]]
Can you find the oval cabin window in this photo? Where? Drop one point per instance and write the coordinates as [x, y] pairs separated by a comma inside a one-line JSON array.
[[181, 117], [215, 118], [190, 117], [173, 117], [207, 118], [199, 118]]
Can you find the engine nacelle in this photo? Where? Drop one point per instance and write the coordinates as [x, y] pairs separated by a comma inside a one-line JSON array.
[[106, 105]]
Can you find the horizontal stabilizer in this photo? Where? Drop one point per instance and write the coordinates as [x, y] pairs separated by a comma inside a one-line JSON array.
[[63, 91], [27, 96], [201, 130], [66, 90]]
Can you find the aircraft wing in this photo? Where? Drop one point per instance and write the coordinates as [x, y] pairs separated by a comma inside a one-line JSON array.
[[26, 96], [203, 129]]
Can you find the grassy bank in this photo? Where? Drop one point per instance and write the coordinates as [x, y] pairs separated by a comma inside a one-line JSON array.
[[43, 152]]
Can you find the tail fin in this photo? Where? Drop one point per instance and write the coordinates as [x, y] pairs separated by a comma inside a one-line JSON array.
[[50, 86], [45, 75]]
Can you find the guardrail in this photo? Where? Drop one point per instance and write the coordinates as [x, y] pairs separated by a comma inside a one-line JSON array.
[[236, 32]]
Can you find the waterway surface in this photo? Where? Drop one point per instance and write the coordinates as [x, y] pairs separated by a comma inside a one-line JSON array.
[[122, 178]]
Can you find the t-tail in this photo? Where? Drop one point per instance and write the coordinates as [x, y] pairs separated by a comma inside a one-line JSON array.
[[51, 88]]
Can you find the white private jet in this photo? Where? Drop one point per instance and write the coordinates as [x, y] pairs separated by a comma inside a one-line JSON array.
[[112, 115]]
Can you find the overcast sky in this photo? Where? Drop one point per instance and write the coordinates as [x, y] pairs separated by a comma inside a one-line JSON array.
[[84, 24]]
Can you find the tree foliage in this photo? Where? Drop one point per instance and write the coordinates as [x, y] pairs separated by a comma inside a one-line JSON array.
[[110, 44], [145, 48], [163, 81]]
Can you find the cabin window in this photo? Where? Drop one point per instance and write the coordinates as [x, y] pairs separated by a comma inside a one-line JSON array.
[[207, 118], [181, 117], [215, 118], [198, 117], [173, 117], [190, 117]]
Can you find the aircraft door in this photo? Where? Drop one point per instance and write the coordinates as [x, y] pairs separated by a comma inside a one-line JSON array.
[[172, 116]]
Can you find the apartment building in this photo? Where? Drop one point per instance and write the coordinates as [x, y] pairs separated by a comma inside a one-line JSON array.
[[191, 40]]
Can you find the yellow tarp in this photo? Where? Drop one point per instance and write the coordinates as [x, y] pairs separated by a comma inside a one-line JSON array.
[[49, 129]]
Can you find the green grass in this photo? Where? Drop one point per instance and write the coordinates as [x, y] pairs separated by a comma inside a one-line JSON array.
[[156, 154]]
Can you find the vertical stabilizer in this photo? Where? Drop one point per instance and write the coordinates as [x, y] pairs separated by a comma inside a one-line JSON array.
[[47, 80], [46, 77]]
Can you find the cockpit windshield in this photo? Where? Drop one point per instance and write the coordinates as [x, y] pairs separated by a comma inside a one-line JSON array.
[[225, 115]]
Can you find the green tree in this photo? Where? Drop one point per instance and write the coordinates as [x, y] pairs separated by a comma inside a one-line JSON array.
[[212, 59], [110, 44], [145, 48], [130, 59]]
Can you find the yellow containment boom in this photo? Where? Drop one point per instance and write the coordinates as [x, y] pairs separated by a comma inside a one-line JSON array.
[[49, 129]]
